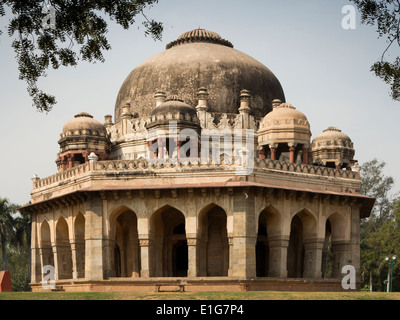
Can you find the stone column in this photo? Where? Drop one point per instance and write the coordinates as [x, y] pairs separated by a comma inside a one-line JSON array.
[[339, 257], [244, 235], [273, 148], [305, 155], [261, 152], [56, 260], [94, 269], [70, 160], [354, 245], [313, 258], [292, 150], [192, 257], [144, 243], [230, 270], [35, 257], [278, 246], [74, 260]]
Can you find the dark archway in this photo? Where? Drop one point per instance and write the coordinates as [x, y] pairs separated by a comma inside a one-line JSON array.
[[295, 253], [214, 251], [169, 249], [126, 252]]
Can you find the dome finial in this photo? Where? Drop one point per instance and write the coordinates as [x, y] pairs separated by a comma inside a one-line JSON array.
[[199, 35]]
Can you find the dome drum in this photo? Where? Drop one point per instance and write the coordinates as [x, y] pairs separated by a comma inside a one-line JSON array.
[[81, 136], [333, 148], [285, 129]]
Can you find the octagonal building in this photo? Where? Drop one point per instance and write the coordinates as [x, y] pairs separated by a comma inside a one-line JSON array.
[[206, 179]]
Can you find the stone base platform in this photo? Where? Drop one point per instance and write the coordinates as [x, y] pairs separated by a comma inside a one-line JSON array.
[[198, 284]]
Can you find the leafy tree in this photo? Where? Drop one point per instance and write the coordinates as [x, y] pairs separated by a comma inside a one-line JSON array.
[[385, 15], [7, 230], [78, 33], [379, 228]]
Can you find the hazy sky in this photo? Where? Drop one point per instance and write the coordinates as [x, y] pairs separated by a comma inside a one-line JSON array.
[[323, 68]]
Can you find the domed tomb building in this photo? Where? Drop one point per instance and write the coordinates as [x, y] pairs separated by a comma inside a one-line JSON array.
[[206, 178]]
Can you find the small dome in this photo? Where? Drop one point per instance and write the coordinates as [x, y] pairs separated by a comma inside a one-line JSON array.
[[284, 124], [84, 124], [332, 136], [332, 147], [174, 105], [173, 109]]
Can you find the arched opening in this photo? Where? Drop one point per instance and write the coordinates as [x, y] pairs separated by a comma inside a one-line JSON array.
[[262, 247], [302, 258], [295, 253], [326, 264], [126, 260], [336, 248], [80, 245], [63, 249], [169, 250], [214, 251], [45, 245]]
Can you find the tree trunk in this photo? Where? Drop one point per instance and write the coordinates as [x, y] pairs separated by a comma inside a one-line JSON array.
[[3, 251], [370, 281]]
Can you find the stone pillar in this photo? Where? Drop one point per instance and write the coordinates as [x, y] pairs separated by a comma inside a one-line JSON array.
[[161, 146], [144, 244], [56, 260], [94, 238], [70, 160], [261, 152], [244, 109], [354, 245], [305, 155], [64, 163], [230, 270], [339, 257], [160, 98], [201, 108], [313, 258], [292, 150], [273, 148], [35, 257], [244, 235], [125, 116], [74, 260], [278, 246], [192, 257]]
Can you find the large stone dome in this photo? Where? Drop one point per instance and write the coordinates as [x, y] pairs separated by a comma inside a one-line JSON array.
[[200, 58]]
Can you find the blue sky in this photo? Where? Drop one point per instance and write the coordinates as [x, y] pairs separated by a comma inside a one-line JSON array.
[[324, 71]]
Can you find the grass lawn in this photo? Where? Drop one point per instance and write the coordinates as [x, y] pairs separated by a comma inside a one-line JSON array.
[[252, 295]]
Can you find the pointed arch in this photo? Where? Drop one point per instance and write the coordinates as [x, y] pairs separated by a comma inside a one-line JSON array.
[[47, 256], [124, 243], [169, 250], [269, 224], [335, 235], [213, 235], [63, 249], [302, 228], [79, 232]]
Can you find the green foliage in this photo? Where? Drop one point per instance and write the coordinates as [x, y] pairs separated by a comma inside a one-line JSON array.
[[380, 234], [79, 34], [385, 16], [15, 231]]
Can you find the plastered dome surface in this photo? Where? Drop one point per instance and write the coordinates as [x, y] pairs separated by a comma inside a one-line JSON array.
[[200, 58]]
